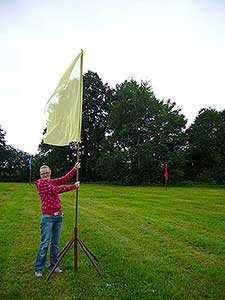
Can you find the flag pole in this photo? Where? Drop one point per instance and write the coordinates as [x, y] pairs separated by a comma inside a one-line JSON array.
[[76, 217], [75, 240], [77, 175]]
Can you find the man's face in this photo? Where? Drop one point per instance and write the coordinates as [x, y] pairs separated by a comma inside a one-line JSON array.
[[45, 173]]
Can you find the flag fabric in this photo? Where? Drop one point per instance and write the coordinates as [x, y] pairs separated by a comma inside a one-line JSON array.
[[30, 162], [64, 108], [166, 172]]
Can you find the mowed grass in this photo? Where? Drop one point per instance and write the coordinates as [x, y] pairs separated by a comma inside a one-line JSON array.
[[152, 243]]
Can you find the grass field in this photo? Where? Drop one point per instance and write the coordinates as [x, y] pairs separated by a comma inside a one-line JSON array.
[[151, 243]]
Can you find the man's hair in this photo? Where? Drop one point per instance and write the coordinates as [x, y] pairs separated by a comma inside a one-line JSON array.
[[44, 167]]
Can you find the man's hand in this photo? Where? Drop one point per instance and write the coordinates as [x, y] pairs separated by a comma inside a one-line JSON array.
[[77, 184], [77, 165]]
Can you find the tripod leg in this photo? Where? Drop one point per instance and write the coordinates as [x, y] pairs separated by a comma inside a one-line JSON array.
[[91, 259], [65, 248], [92, 254], [75, 248], [60, 257]]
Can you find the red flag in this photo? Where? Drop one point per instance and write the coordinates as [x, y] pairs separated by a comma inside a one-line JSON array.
[[166, 172]]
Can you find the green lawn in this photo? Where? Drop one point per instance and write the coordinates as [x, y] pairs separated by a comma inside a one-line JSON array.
[[151, 243]]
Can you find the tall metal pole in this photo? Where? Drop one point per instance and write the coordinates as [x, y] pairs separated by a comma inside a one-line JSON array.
[[77, 176], [76, 216]]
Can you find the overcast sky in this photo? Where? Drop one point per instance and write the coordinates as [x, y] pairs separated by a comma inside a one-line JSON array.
[[179, 45]]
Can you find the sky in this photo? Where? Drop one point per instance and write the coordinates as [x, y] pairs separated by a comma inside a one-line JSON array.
[[177, 45]]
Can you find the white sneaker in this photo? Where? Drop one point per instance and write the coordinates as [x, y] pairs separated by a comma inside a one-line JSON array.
[[38, 274], [58, 270]]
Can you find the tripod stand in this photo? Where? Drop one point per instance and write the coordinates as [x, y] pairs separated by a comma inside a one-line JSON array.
[[75, 241]]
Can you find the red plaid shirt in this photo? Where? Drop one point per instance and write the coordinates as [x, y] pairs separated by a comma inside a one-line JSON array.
[[49, 190]]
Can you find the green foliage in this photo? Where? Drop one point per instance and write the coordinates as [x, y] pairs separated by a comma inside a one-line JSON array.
[[3, 151], [97, 101], [143, 133], [207, 147], [13, 162]]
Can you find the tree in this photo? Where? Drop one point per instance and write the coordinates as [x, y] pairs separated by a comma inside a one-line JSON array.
[[3, 151], [143, 133], [13, 162], [97, 101], [207, 147]]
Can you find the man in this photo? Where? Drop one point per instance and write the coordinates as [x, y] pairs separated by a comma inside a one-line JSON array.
[[52, 216]]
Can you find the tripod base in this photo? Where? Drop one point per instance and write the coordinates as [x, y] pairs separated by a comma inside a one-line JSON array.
[[85, 249]]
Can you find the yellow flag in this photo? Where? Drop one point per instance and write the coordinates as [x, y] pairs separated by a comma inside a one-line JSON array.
[[64, 108]]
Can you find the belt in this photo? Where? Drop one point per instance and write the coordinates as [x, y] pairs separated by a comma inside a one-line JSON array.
[[56, 213]]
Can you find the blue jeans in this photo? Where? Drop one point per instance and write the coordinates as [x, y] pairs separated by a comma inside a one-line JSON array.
[[50, 230]]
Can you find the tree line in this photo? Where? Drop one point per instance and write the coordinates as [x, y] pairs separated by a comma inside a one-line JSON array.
[[127, 137]]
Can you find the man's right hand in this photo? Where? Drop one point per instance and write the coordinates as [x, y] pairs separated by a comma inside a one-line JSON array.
[[77, 165]]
